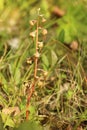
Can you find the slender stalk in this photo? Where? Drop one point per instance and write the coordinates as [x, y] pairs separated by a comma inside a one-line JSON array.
[[36, 49], [35, 75]]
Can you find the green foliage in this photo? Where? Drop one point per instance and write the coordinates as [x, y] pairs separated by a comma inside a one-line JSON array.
[[61, 36], [1, 124], [45, 61], [8, 121], [74, 22], [29, 125], [1, 5]]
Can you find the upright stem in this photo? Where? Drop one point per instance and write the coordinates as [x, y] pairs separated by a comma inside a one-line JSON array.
[[36, 49], [35, 75]]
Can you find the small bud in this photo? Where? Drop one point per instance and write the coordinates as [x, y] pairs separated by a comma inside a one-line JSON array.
[[44, 31], [37, 55], [43, 20], [33, 34]]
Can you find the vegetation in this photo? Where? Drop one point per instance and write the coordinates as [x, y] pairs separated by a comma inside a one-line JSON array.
[[43, 72]]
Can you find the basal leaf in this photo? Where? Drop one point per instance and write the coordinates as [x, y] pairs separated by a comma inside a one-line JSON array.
[[9, 122], [29, 125], [45, 60], [61, 35], [54, 58], [1, 124]]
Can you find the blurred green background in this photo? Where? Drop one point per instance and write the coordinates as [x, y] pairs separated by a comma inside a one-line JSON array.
[[67, 17], [66, 22]]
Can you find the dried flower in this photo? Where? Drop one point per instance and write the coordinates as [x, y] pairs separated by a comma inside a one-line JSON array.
[[36, 77], [14, 43], [44, 31], [45, 73], [40, 44], [43, 20], [41, 15], [32, 22], [29, 61], [37, 55], [33, 34], [74, 45], [39, 27], [40, 83]]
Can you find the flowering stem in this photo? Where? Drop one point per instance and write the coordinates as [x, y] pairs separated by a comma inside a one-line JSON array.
[[35, 76], [36, 49]]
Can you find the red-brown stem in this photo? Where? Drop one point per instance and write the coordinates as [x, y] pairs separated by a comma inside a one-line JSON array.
[[35, 75], [28, 100]]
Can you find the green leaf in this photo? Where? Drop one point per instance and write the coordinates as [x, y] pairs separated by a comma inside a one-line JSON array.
[[68, 24], [61, 35], [54, 58], [17, 75], [45, 60], [29, 125], [44, 5], [1, 124], [74, 22], [3, 101], [9, 122], [44, 67], [32, 112], [69, 94], [1, 4]]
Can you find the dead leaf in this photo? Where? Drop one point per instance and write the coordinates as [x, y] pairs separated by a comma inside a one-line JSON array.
[[14, 43], [74, 45], [11, 110], [57, 11], [80, 128], [69, 127]]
